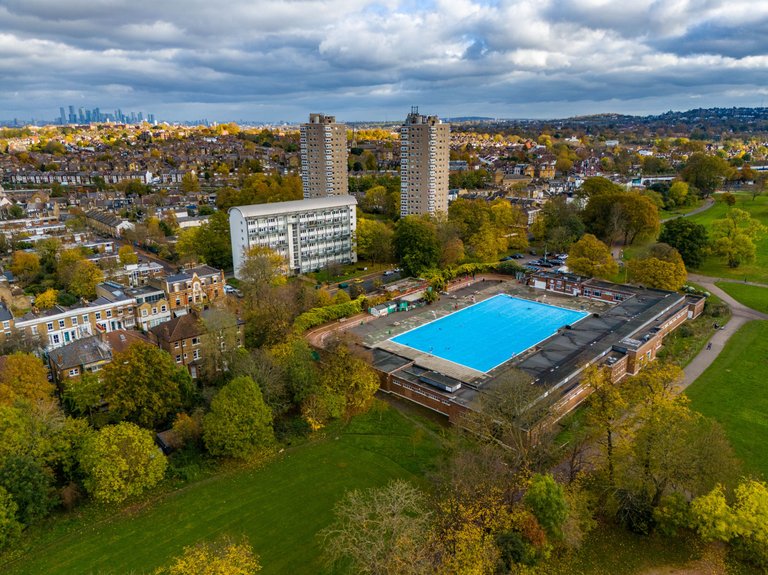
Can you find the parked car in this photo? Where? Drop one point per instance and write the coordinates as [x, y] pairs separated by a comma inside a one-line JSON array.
[[518, 256], [343, 285], [229, 289], [388, 273], [506, 259]]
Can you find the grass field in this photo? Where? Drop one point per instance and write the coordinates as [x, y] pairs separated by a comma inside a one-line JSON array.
[[757, 270], [751, 296], [681, 211], [279, 507], [733, 391]]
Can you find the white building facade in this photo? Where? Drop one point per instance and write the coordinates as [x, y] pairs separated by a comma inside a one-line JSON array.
[[308, 234]]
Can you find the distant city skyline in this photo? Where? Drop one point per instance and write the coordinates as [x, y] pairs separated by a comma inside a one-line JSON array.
[[273, 61]]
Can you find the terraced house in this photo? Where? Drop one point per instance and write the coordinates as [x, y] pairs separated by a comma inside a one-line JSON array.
[[191, 287]]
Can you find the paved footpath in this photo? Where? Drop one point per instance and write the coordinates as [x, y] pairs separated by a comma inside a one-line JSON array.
[[741, 314], [708, 203]]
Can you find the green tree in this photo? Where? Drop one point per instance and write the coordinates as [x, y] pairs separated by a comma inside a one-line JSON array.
[[591, 257], [188, 245], [416, 244], [733, 237], [705, 172], [546, 499], [606, 406], [30, 485], [66, 266], [240, 423], [121, 461], [349, 376], [688, 238], [374, 240], [10, 528], [262, 269], [145, 386], [678, 193], [375, 200], [597, 186], [214, 245]]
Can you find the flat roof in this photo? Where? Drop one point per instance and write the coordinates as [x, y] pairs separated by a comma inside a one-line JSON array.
[[294, 206]]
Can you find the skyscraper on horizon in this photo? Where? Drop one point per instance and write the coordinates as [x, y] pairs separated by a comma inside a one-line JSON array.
[[424, 157], [324, 157]]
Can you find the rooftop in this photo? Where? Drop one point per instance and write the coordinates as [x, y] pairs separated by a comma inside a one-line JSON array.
[[295, 206]]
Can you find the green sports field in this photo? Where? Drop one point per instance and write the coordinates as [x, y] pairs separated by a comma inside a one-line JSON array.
[[734, 391], [279, 507]]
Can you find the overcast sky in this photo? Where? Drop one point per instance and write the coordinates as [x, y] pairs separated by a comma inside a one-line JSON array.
[[359, 59]]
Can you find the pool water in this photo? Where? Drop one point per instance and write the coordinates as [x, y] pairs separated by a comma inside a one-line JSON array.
[[487, 334]]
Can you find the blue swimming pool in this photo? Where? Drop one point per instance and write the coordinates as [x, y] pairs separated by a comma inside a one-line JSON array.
[[486, 334]]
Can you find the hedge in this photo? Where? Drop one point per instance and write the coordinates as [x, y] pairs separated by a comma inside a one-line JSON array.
[[320, 315]]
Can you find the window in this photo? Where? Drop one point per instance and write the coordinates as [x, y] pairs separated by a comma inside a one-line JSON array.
[[143, 313], [34, 330], [74, 320], [85, 318], [185, 356], [74, 371], [109, 313], [178, 302], [56, 338], [195, 340], [196, 355], [176, 345], [6, 325], [163, 308], [98, 315], [178, 359], [50, 326], [154, 310]]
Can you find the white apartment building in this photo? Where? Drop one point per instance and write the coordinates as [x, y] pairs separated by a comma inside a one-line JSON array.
[[424, 164], [308, 234], [324, 157]]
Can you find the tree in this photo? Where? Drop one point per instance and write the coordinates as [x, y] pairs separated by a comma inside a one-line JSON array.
[[375, 200], [85, 278], [546, 499], [606, 405], [349, 376], [189, 183], [47, 299], [220, 340], [24, 377], [597, 186], [733, 237], [188, 245], [382, 531], [558, 224], [678, 193], [25, 265], [10, 528], [688, 238], [591, 257], [416, 244], [374, 240], [127, 256], [221, 557], [214, 244], [661, 267], [30, 485], [145, 386], [261, 270], [621, 215], [240, 423], [65, 268], [121, 461], [705, 172]]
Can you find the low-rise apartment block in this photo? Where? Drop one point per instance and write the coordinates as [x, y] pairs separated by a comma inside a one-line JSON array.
[[195, 286], [308, 234]]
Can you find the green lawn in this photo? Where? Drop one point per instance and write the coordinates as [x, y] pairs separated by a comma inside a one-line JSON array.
[[279, 507], [758, 269], [733, 391], [681, 211], [751, 296]]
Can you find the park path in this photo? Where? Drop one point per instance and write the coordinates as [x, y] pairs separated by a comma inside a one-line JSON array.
[[708, 203], [741, 314]]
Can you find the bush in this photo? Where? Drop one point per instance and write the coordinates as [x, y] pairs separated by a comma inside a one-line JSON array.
[[320, 315]]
